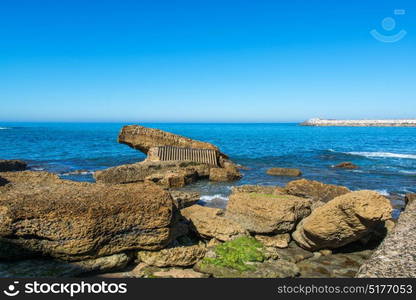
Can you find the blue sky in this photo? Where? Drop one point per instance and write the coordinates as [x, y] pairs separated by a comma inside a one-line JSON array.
[[204, 61]]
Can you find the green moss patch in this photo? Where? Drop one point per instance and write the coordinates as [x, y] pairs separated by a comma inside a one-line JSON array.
[[236, 254]]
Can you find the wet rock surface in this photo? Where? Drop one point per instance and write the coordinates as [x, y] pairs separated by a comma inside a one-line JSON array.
[[346, 165]]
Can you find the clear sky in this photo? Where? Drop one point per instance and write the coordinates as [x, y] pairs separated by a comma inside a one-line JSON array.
[[205, 61]]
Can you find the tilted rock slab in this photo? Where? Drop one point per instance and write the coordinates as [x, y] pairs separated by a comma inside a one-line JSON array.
[[342, 220], [47, 216], [315, 190], [143, 138], [265, 213], [210, 223], [396, 256]]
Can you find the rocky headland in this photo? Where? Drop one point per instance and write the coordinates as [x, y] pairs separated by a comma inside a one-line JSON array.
[[360, 123], [134, 221]]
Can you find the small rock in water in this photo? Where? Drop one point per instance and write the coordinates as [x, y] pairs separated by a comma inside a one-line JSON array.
[[346, 165]]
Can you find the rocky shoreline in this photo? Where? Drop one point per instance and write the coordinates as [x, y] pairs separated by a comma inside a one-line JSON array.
[[136, 222], [360, 123]]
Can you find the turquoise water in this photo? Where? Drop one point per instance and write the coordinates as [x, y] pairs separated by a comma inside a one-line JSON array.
[[387, 156]]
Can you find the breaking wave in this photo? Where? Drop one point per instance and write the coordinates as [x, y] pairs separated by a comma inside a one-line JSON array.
[[383, 155], [208, 198]]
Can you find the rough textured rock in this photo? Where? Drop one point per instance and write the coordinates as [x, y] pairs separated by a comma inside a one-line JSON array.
[[395, 257], [277, 241], [343, 220], [284, 172], [57, 268], [167, 173], [183, 256], [184, 199], [346, 165], [3, 181], [315, 190], [224, 174], [143, 138], [78, 221], [210, 223], [265, 213], [12, 165]]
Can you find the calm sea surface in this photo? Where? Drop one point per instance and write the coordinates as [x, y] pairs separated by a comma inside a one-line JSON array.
[[386, 156]]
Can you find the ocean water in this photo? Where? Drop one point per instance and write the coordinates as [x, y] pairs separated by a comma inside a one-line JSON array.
[[386, 156]]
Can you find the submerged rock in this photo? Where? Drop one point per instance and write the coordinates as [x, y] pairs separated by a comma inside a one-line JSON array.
[[43, 215], [315, 190], [182, 256], [12, 165], [346, 165], [284, 172], [265, 213], [210, 223], [342, 220]]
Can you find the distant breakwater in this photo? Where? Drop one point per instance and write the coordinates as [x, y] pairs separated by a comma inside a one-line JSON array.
[[360, 123]]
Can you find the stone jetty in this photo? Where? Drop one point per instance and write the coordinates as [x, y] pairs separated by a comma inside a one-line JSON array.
[[360, 123]]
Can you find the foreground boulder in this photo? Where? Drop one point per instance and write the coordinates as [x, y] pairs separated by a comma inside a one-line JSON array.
[[12, 165], [265, 213], [315, 190], [396, 256], [343, 220], [284, 172], [210, 223], [410, 197], [76, 221]]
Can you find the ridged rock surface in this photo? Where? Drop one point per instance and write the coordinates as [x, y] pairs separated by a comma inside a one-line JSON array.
[[342, 220], [396, 256], [43, 215], [182, 256], [266, 213]]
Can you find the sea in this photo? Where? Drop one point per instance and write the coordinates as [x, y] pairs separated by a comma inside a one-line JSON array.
[[386, 156]]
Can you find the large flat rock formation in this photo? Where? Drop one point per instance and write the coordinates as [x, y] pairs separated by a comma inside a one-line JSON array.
[[396, 256], [361, 123]]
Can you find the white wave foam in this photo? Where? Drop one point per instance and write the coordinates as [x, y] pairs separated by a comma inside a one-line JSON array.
[[208, 198], [408, 172], [4, 128], [77, 173], [37, 169], [383, 154], [383, 192]]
